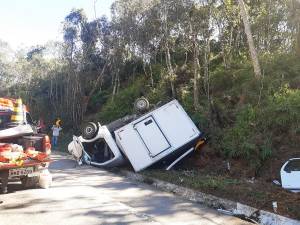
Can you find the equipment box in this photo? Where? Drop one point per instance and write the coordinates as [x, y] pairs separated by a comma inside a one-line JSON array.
[[157, 134]]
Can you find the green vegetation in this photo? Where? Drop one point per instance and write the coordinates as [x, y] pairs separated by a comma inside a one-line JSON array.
[[195, 51], [122, 103], [194, 180], [256, 127]]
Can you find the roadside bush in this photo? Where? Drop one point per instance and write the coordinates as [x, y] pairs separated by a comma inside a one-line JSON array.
[[251, 137], [281, 114], [157, 70], [98, 100], [247, 139], [122, 103], [158, 93], [282, 67]]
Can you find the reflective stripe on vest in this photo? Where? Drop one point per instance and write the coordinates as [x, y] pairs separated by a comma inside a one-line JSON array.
[[17, 115]]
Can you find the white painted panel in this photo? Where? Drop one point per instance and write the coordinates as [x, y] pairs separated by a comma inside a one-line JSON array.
[[152, 136], [176, 124], [133, 147]]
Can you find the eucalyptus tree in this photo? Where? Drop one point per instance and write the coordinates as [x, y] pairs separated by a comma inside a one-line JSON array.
[[269, 23], [73, 24], [7, 75], [87, 54], [96, 38], [248, 32], [294, 21], [138, 28], [196, 22]]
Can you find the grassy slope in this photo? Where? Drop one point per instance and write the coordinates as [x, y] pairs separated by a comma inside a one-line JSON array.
[[255, 125]]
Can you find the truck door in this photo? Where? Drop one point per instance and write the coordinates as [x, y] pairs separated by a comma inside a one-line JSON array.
[[152, 136]]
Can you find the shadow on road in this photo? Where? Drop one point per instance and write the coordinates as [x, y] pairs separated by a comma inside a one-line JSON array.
[[101, 197]]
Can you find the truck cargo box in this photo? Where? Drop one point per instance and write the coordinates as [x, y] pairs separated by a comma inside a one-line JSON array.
[[156, 135]]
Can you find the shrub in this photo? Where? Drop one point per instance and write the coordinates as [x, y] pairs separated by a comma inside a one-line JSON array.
[[281, 113], [158, 93], [122, 103], [251, 137], [239, 140]]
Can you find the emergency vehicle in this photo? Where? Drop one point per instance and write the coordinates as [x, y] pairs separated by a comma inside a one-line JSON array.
[[24, 152]]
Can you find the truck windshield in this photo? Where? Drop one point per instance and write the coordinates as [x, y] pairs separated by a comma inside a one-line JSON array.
[[4, 120], [29, 118], [99, 151]]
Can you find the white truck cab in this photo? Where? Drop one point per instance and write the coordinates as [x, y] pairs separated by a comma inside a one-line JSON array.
[[98, 151]]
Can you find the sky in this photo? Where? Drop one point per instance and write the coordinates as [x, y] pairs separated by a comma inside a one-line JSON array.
[[24, 23]]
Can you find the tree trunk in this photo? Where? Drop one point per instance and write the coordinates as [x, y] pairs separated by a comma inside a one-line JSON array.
[[98, 81], [151, 75], [145, 68], [115, 84], [171, 74], [298, 40], [206, 67], [196, 68], [253, 53], [196, 79]]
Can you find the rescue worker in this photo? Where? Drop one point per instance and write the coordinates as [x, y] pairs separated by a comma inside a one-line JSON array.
[[56, 128]]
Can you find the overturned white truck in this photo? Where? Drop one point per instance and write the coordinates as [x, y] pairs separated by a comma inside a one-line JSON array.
[[165, 134]]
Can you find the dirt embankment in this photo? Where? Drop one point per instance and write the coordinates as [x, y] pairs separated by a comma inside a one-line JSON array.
[[234, 180]]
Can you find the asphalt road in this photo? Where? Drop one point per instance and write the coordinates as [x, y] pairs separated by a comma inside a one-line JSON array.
[[90, 196]]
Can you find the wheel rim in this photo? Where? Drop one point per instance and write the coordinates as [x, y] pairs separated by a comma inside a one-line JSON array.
[[89, 130], [141, 104]]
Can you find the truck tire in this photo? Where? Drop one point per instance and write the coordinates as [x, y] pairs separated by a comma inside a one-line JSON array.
[[141, 104], [90, 130], [30, 182]]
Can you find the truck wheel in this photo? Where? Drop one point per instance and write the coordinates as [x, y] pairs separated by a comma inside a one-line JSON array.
[[29, 182], [89, 130], [141, 104]]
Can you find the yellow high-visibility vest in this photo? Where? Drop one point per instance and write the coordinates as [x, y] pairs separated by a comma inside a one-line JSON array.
[[18, 113]]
